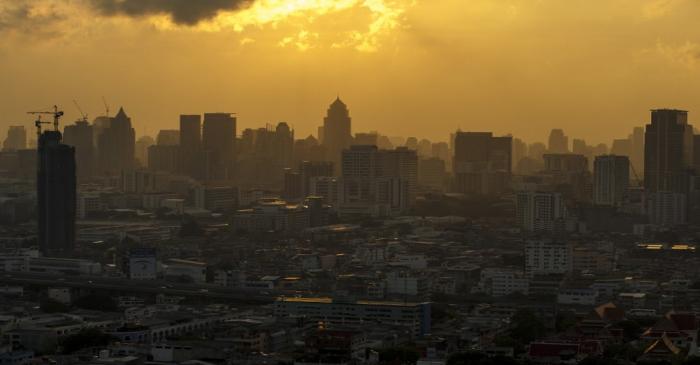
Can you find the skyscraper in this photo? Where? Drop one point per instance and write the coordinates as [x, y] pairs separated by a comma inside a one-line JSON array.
[[116, 144], [16, 138], [80, 136], [668, 151], [611, 177], [219, 144], [337, 131], [558, 142], [191, 146], [168, 137], [56, 194], [539, 211], [482, 162]]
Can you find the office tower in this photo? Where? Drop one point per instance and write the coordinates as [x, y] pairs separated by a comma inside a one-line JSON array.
[[141, 149], [482, 163], [539, 211], [308, 149], [292, 185], [283, 146], [219, 144], [168, 137], [519, 152], [637, 156], [164, 158], [116, 144], [611, 177], [191, 146], [571, 171], [558, 142], [668, 151], [401, 163], [16, 139], [337, 131], [432, 173], [80, 136], [579, 147], [311, 169], [667, 208], [56, 194], [377, 182]]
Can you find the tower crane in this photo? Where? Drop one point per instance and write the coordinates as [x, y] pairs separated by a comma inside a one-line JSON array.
[[106, 106], [57, 114], [37, 123], [83, 115]]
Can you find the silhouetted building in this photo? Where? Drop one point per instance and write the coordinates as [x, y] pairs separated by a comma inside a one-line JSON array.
[[558, 142], [141, 150], [482, 163], [80, 136], [666, 208], [56, 194], [539, 211], [16, 138], [611, 177], [569, 173], [191, 156], [432, 173], [219, 143], [168, 137], [116, 144], [668, 152], [367, 139], [377, 182], [164, 158], [312, 169], [337, 131]]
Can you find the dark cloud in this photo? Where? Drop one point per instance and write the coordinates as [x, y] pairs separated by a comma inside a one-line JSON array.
[[186, 12]]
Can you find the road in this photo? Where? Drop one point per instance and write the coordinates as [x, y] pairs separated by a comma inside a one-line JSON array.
[[127, 286]]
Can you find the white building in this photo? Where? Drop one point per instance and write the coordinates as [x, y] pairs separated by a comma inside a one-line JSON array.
[[500, 282], [539, 211], [580, 296], [195, 270], [611, 176], [548, 257]]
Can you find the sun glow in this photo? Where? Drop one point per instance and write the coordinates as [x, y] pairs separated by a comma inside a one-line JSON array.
[[382, 16]]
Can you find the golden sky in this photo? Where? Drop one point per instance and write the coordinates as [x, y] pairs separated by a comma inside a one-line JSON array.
[[405, 67]]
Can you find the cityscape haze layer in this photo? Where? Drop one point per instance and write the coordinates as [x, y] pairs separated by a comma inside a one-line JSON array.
[[349, 182]]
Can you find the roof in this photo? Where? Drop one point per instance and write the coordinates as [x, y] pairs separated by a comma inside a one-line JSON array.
[[662, 346]]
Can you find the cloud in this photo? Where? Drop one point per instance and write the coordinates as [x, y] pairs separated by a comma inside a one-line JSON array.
[[182, 12], [686, 54]]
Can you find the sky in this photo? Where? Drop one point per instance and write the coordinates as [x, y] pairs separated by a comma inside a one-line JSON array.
[[419, 68]]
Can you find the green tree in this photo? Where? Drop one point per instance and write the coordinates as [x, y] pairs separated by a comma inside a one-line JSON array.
[[526, 326]]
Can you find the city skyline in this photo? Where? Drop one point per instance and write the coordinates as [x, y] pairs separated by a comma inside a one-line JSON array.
[[546, 62]]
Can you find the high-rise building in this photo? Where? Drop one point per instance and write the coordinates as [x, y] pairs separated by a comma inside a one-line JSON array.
[[432, 173], [611, 178], [539, 211], [668, 151], [482, 163], [116, 144], [80, 136], [548, 257], [163, 158], [366, 139], [558, 142], [666, 208], [191, 146], [337, 131], [312, 169], [16, 138], [219, 144], [377, 182], [141, 150], [168, 137], [56, 194]]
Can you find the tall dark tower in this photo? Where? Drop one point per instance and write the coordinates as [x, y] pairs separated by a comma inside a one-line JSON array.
[[668, 151], [191, 146], [56, 194], [116, 145], [219, 144], [337, 131], [80, 136]]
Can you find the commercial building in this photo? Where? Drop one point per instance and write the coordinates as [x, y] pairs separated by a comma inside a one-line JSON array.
[[482, 163], [219, 144], [668, 151], [539, 211], [415, 316], [337, 131], [611, 177], [545, 257]]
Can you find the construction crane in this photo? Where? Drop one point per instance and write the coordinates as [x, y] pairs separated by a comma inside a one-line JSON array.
[[83, 115], [37, 123], [106, 106], [57, 114]]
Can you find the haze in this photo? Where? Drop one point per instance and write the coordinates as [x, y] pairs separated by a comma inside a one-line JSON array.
[[411, 68]]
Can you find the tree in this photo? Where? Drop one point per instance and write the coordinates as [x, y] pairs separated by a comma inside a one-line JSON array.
[[526, 327], [89, 337]]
